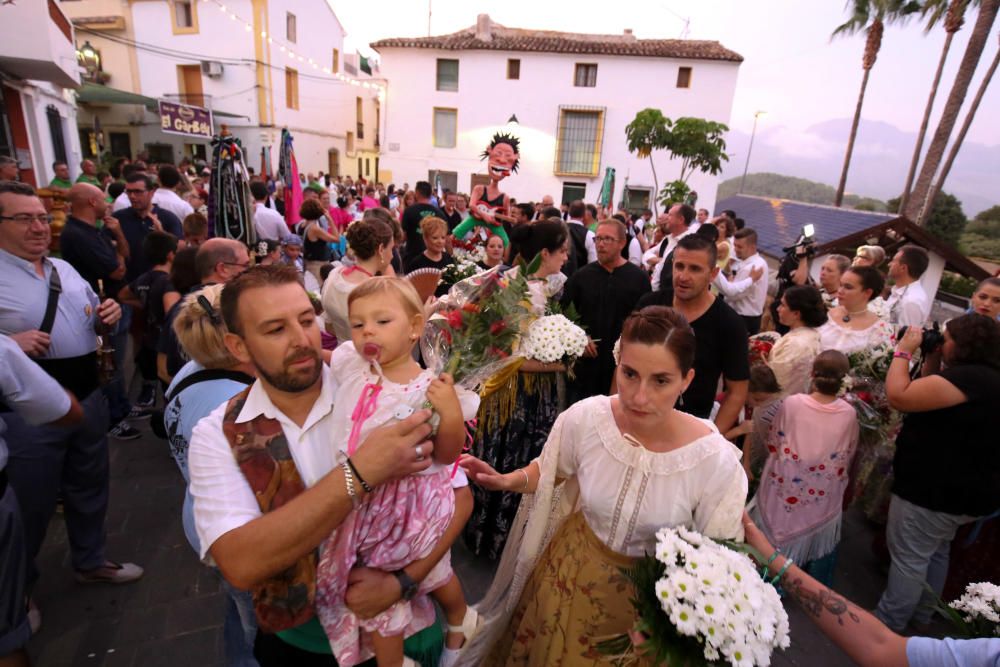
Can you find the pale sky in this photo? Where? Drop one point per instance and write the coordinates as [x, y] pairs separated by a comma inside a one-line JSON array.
[[792, 70]]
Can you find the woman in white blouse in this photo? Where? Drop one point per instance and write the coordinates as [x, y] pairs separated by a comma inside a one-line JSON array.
[[614, 470], [851, 326], [802, 310]]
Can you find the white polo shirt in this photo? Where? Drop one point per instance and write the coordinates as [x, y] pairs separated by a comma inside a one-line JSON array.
[[223, 501]]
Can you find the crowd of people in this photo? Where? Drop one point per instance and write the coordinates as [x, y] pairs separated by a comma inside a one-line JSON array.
[[321, 490]]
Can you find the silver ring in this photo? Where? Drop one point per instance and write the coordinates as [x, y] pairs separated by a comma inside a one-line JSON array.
[[420, 453]]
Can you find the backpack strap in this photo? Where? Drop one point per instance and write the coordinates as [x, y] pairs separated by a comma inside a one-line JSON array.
[[55, 289], [206, 375]]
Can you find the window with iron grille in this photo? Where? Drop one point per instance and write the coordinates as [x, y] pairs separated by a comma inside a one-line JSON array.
[[580, 135], [447, 74], [291, 27], [571, 192], [585, 75]]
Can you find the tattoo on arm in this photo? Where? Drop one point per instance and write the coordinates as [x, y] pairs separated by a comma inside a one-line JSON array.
[[816, 602]]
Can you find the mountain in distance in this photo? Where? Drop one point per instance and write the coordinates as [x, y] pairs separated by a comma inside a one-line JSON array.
[[878, 167], [780, 186]]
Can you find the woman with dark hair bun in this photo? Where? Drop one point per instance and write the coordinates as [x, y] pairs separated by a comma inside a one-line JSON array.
[[813, 438], [519, 406], [614, 470], [801, 310]]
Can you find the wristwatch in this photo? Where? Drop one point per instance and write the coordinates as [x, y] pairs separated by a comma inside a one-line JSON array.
[[407, 586]]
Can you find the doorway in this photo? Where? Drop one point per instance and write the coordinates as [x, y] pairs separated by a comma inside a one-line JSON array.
[[478, 179], [333, 163]]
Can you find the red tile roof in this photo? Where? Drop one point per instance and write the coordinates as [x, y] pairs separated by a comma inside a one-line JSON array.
[[501, 38]]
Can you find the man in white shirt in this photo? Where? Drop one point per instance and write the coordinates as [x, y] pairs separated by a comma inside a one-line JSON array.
[[746, 293], [644, 219], [166, 196], [272, 326], [268, 222], [699, 219], [676, 222], [908, 302]]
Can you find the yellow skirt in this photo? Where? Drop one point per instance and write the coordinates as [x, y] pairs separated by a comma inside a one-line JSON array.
[[576, 597]]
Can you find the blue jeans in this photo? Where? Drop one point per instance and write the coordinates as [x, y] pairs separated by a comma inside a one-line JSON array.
[[919, 542], [240, 626], [115, 391]]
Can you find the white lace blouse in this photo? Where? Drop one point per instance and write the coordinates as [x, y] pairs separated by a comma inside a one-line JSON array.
[[833, 336], [627, 492]]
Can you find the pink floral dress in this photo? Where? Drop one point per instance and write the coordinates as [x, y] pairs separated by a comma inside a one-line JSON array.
[[399, 523]]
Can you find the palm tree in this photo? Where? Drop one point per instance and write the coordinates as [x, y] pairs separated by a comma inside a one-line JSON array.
[[869, 16], [970, 114], [966, 70], [954, 18]]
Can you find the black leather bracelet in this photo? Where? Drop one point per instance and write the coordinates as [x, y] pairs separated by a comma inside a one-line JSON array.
[[358, 477]]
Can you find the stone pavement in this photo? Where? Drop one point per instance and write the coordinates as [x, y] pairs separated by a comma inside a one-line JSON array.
[[173, 615]]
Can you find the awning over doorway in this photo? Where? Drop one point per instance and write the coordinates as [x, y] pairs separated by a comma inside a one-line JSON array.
[[92, 93]]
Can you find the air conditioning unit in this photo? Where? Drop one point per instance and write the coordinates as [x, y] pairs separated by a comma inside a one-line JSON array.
[[211, 68]]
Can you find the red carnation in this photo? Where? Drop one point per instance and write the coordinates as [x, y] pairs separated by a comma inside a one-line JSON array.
[[454, 318], [865, 396], [471, 308], [498, 327]]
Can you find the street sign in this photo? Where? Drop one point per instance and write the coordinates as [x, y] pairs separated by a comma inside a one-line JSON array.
[[185, 120]]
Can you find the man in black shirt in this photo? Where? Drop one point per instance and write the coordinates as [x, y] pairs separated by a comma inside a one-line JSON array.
[[604, 293], [720, 333], [101, 257], [412, 217], [138, 219], [451, 214]]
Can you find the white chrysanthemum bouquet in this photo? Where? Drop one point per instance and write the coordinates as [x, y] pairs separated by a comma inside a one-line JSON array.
[[977, 613], [553, 338], [699, 602]]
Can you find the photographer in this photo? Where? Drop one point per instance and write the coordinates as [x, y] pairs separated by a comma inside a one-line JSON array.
[[933, 492], [793, 270]]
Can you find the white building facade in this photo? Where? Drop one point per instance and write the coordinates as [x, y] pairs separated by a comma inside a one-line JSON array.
[[38, 73], [259, 65], [572, 96]]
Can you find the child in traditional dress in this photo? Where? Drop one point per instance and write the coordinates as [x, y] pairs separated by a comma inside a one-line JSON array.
[[402, 521], [810, 447]]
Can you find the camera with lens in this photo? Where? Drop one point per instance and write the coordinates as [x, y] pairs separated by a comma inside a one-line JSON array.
[[931, 342]]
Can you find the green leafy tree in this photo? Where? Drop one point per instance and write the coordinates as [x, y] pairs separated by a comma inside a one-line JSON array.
[[696, 142], [649, 131], [699, 145], [946, 220], [992, 214]]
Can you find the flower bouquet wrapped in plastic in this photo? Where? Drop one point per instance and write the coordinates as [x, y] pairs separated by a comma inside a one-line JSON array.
[[700, 603], [478, 327], [864, 388]]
